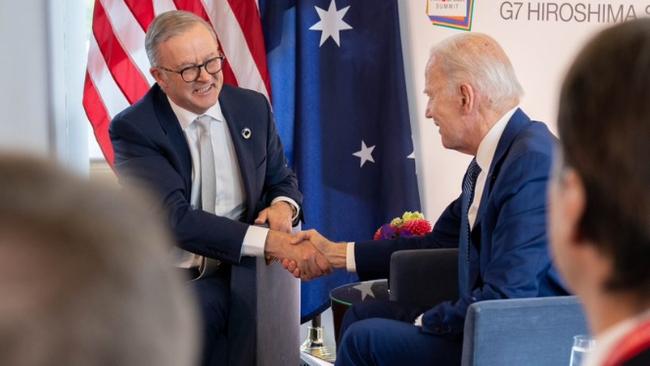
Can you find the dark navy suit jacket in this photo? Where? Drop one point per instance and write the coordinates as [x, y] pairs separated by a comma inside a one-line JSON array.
[[508, 254], [150, 147]]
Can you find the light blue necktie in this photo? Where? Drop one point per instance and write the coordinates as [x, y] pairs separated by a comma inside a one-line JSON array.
[[464, 238], [208, 184], [206, 154]]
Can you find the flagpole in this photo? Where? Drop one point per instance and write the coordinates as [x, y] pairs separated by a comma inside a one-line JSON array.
[[314, 344]]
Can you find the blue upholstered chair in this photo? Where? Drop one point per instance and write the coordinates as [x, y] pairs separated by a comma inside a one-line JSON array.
[[532, 331]]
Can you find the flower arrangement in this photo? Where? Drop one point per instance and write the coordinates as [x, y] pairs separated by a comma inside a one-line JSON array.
[[410, 224]]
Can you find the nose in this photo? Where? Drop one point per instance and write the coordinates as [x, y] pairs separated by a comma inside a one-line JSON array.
[[427, 111], [204, 75]]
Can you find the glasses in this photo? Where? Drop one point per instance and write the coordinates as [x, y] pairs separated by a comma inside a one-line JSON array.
[[192, 73]]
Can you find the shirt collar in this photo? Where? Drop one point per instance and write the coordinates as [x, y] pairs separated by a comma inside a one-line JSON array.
[[488, 145], [185, 117]]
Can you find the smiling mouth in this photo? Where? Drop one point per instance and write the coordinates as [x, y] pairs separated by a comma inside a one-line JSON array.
[[204, 90]]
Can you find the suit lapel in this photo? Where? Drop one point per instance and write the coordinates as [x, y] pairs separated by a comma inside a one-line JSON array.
[[518, 120], [174, 132], [515, 124], [229, 108]]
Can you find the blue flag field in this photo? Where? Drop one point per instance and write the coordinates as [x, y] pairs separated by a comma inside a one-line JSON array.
[[339, 97]]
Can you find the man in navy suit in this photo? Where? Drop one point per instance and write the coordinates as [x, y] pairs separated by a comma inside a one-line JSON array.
[[211, 154], [497, 223]]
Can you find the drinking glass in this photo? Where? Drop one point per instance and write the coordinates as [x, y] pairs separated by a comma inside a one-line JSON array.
[[582, 345]]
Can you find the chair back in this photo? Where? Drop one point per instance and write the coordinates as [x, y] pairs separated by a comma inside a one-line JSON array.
[[532, 331]]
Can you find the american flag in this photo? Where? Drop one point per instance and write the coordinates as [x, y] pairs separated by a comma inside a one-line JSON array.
[[118, 75]]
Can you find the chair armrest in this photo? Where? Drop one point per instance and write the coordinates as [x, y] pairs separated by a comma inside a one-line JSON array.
[[424, 277], [532, 331]]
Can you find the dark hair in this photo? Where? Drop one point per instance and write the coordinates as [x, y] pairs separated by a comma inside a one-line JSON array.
[[85, 275], [604, 127]]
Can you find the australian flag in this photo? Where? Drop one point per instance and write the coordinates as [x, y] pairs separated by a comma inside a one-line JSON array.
[[339, 98]]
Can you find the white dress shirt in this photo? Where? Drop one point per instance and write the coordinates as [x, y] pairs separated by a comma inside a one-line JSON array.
[[230, 198], [484, 156]]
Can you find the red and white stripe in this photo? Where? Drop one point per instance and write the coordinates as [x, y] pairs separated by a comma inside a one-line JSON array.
[[117, 74]]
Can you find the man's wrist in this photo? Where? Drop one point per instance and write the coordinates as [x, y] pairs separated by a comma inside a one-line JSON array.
[[288, 206], [336, 254], [272, 246], [292, 204]]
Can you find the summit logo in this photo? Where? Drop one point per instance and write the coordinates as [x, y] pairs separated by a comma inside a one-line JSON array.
[[456, 14]]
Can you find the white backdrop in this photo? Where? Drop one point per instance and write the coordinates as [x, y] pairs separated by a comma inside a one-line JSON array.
[[42, 56], [25, 91], [541, 44]]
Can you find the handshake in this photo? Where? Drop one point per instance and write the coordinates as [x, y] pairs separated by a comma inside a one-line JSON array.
[[307, 254]]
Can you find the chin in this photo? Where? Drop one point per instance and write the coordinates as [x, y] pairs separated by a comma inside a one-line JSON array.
[[205, 104]]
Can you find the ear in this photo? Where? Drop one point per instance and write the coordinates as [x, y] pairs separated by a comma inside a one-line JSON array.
[[159, 76], [574, 202], [468, 98]]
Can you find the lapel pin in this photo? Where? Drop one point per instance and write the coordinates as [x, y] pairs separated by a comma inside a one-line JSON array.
[[246, 133]]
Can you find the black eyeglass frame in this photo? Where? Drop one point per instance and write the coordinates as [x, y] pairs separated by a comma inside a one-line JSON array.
[[198, 67]]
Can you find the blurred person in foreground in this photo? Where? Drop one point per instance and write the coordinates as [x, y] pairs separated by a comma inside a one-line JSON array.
[[84, 275], [599, 196]]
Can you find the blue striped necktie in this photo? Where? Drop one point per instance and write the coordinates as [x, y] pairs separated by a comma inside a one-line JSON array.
[[464, 239]]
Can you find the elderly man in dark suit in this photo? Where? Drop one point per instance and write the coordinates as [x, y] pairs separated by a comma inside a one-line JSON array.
[[498, 222], [212, 155]]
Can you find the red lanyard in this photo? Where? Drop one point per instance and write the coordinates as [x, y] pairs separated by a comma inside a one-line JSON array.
[[631, 345]]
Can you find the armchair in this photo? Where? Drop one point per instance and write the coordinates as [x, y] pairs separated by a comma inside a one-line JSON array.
[[263, 299], [531, 331]]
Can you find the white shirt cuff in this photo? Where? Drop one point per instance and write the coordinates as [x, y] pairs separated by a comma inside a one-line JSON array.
[[254, 241], [291, 202], [350, 264], [418, 321]]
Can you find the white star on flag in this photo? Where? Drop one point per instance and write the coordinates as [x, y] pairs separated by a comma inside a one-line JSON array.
[[331, 23], [365, 289], [365, 154], [411, 155]]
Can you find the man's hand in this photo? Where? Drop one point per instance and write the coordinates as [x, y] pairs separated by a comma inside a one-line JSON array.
[[335, 253], [278, 216], [309, 262]]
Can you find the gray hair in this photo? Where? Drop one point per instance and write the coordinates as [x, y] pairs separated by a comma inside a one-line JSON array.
[[167, 25], [478, 59]]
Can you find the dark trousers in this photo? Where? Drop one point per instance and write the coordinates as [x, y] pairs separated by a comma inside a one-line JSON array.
[[382, 333], [213, 294]]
